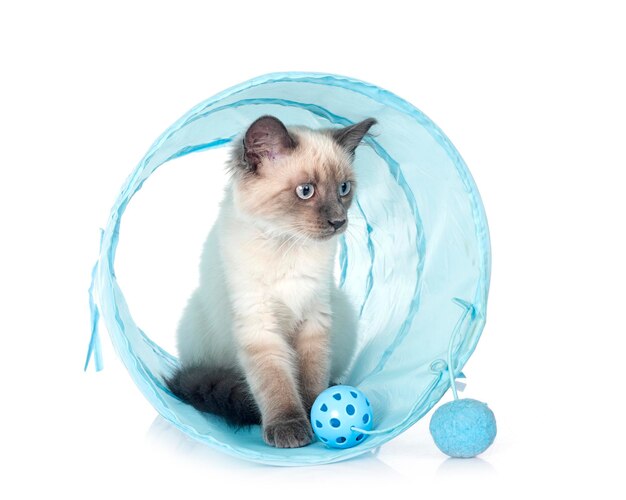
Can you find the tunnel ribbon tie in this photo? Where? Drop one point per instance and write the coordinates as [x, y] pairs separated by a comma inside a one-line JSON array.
[[94, 348]]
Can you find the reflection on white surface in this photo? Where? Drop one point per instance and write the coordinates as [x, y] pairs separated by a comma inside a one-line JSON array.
[[460, 466], [165, 437]]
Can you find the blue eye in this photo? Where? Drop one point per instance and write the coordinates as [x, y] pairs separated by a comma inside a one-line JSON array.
[[344, 188], [305, 191]]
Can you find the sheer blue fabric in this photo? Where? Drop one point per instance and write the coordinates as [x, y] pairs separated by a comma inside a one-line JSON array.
[[416, 262]]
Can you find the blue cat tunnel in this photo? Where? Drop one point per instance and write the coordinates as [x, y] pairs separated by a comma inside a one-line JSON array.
[[415, 264]]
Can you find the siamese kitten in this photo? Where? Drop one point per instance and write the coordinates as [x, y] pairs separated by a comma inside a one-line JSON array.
[[267, 329]]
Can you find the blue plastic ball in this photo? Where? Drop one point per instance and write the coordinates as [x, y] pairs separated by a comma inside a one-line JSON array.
[[335, 411], [463, 428]]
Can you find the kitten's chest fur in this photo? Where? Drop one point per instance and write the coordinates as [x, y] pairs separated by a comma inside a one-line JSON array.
[[289, 273]]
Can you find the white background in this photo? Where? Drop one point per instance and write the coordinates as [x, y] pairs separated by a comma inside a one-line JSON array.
[[532, 95]]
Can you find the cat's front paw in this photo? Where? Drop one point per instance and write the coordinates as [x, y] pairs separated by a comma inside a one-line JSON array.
[[292, 433]]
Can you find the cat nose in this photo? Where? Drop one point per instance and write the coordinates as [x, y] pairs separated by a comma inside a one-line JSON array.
[[337, 223]]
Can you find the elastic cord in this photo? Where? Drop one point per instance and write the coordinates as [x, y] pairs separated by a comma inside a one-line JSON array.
[[469, 310]]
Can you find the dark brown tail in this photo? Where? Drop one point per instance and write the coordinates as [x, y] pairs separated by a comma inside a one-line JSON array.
[[221, 391]]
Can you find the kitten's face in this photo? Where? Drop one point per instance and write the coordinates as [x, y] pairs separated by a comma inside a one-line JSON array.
[[297, 183]]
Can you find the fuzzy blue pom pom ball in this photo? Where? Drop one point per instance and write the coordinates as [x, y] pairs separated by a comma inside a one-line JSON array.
[[463, 428], [340, 414]]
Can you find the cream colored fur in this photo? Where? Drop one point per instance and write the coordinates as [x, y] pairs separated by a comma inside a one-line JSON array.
[[267, 303], [262, 277]]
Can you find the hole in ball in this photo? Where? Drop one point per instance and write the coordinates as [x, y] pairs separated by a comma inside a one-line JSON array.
[[341, 440], [366, 418], [335, 422], [359, 437], [318, 423], [350, 410], [337, 396], [354, 394], [324, 407]]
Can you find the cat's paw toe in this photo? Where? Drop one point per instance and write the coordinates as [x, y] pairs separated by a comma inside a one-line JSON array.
[[292, 433]]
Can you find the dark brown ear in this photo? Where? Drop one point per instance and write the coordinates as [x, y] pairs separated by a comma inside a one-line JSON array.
[[350, 137], [267, 137]]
